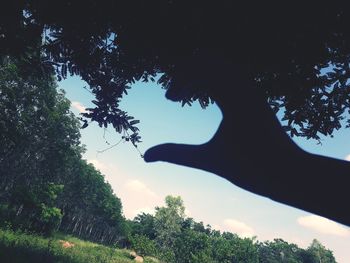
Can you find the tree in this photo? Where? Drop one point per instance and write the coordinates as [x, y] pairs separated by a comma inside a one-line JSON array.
[[143, 224], [192, 246], [143, 245], [319, 253], [168, 221], [229, 247], [242, 57], [279, 250]]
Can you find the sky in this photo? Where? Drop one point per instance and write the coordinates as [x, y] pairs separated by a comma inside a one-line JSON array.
[[207, 197]]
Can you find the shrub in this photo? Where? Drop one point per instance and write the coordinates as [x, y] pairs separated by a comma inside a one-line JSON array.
[[143, 245]]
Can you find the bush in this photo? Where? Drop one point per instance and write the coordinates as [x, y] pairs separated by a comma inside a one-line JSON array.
[[50, 218], [143, 245]]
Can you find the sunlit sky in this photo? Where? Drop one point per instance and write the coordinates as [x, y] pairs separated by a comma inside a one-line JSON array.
[[207, 197]]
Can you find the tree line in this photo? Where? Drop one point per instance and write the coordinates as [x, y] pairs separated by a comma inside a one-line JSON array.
[[46, 186], [173, 237]]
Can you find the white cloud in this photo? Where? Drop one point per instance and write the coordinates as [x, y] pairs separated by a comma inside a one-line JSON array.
[[323, 225], [80, 107], [139, 187], [347, 158], [238, 227]]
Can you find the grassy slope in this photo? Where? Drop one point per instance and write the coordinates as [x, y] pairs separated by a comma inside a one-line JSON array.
[[19, 247]]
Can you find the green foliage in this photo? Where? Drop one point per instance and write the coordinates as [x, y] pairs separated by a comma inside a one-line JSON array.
[[279, 250], [45, 185], [19, 247], [168, 221], [319, 253], [143, 224], [50, 218], [92, 211], [39, 134], [192, 246], [176, 239], [143, 245], [230, 247], [33, 209]]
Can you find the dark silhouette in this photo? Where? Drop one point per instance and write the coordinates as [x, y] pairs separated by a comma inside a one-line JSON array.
[[243, 56], [257, 155]]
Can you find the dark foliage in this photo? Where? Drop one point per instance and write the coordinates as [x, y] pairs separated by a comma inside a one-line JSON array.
[[284, 48]]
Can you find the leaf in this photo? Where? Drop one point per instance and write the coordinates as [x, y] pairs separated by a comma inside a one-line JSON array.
[[134, 122]]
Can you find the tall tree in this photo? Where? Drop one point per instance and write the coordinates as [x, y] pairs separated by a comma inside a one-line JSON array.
[[168, 221], [319, 253]]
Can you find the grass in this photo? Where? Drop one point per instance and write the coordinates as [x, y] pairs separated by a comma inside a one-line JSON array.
[[18, 247]]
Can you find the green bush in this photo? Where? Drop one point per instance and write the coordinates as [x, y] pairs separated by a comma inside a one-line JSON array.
[[50, 218], [143, 245]]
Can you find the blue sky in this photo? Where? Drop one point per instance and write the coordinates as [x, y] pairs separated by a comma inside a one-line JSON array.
[[207, 197]]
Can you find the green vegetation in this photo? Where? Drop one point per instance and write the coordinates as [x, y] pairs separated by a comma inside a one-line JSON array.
[[21, 247], [45, 184], [172, 237]]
